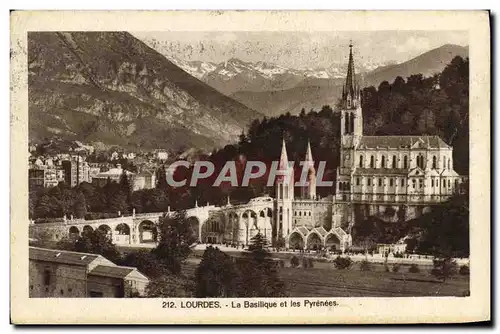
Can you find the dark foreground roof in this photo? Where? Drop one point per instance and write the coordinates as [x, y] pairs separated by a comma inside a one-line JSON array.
[[111, 271], [61, 256]]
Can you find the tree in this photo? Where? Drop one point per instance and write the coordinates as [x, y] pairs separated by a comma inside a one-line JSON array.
[[146, 262], [444, 268], [97, 242], [161, 178], [176, 236], [215, 275], [125, 187], [257, 272], [170, 286]]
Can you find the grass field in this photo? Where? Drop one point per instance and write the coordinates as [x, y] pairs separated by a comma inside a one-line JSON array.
[[326, 281]]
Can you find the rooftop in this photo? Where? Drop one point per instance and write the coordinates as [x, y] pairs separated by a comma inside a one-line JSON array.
[[111, 271], [61, 256], [402, 142]]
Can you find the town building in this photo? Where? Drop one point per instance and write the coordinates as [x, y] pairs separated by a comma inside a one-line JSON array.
[[76, 170], [64, 274], [144, 180], [42, 175], [113, 174]]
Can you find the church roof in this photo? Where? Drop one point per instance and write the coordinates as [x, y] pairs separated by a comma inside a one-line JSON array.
[[381, 171], [402, 142]]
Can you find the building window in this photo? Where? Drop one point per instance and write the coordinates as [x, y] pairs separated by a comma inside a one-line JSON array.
[[405, 162], [449, 163], [383, 161], [309, 213], [444, 183], [444, 164], [391, 182], [286, 191], [413, 184], [434, 162], [357, 181], [46, 277], [380, 181], [62, 292], [361, 161], [449, 183], [456, 183], [369, 182], [421, 183], [372, 162], [420, 161], [402, 182], [432, 183]]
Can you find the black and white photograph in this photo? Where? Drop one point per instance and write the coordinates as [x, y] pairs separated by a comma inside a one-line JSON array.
[[217, 166]]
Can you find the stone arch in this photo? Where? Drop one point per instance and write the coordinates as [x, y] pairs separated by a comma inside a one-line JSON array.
[[87, 229], [106, 230], [122, 234], [74, 232], [296, 241], [249, 217], [194, 223], [147, 232], [314, 241], [332, 242], [212, 231]]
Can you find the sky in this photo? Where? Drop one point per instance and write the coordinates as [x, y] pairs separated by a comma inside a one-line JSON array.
[[300, 49]]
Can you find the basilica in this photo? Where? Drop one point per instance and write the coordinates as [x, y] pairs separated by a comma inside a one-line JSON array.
[[394, 178]]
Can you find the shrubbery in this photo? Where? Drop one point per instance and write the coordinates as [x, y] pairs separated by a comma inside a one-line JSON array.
[[342, 262], [395, 267], [310, 262], [365, 266], [294, 261], [464, 270], [414, 269], [444, 268]]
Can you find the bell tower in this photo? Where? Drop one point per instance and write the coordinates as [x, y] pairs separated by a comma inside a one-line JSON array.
[[351, 116]]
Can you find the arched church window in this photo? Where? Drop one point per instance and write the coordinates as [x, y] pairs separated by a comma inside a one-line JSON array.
[[352, 123], [357, 181], [372, 162], [449, 163], [361, 161], [383, 161], [394, 163], [405, 162], [346, 124], [434, 162]]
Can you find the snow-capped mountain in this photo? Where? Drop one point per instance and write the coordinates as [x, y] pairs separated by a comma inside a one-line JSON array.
[[236, 75]]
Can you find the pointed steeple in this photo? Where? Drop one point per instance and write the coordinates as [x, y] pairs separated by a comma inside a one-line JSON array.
[[284, 157], [308, 152], [350, 79]]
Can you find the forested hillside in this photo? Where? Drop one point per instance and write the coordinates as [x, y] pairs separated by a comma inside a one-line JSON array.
[[434, 106]]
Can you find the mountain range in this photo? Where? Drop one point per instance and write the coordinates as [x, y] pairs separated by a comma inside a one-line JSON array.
[[235, 75], [111, 88], [273, 89]]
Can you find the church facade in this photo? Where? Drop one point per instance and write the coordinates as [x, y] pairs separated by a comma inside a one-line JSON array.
[[392, 178]]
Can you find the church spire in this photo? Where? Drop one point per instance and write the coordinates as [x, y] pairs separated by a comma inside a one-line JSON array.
[[284, 157], [350, 82], [308, 152]]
